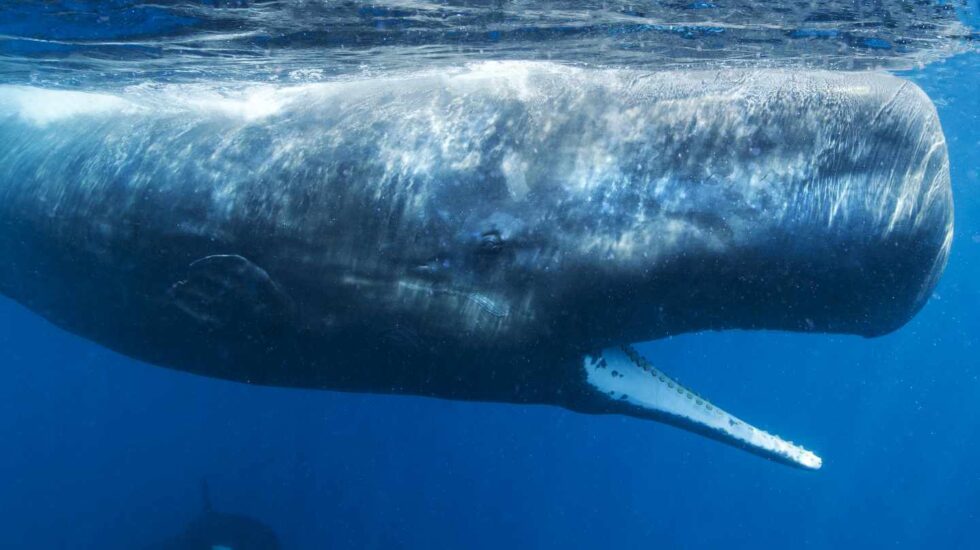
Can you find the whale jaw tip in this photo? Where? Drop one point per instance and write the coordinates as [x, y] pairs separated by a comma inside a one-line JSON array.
[[631, 385]]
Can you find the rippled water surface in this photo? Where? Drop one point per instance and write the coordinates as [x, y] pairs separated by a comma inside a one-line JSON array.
[[78, 42]]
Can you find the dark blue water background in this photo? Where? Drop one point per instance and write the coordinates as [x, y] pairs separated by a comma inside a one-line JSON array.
[[100, 451]]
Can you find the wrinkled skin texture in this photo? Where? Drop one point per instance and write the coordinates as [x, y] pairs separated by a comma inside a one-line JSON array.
[[473, 235]]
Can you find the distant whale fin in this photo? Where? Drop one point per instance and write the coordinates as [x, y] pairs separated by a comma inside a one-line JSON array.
[[227, 291], [638, 389]]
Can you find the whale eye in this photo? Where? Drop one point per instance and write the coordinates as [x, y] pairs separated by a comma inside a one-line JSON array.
[[491, 241]]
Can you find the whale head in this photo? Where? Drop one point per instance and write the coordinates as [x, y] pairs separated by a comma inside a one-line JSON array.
[[623, 210]]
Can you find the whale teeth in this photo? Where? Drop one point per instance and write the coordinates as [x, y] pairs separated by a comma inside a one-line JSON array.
[[660, 397]]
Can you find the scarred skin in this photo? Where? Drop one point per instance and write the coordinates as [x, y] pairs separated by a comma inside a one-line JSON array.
[[470, 235]]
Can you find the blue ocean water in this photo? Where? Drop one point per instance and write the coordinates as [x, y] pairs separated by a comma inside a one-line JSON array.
[[100, 451]]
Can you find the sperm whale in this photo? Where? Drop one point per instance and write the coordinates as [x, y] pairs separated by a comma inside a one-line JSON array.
[[503, 231]]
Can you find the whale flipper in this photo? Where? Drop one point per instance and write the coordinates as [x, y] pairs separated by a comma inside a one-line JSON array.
[[227, 291], [638, 389]]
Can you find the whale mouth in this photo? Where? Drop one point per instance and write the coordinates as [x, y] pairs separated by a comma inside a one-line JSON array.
[[635, 387]]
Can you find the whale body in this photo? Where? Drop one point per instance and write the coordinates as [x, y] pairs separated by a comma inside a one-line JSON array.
[[502, 232]]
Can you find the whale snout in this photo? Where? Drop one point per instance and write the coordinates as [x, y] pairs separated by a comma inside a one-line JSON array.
[[880, 222], [814, 203]]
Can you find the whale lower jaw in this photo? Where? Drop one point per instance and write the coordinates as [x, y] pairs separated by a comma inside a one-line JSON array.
[[633, 386]]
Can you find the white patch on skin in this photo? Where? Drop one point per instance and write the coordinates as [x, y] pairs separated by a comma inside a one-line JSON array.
[[255, 105], [514, 170], [248, 104], [40, 107]]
